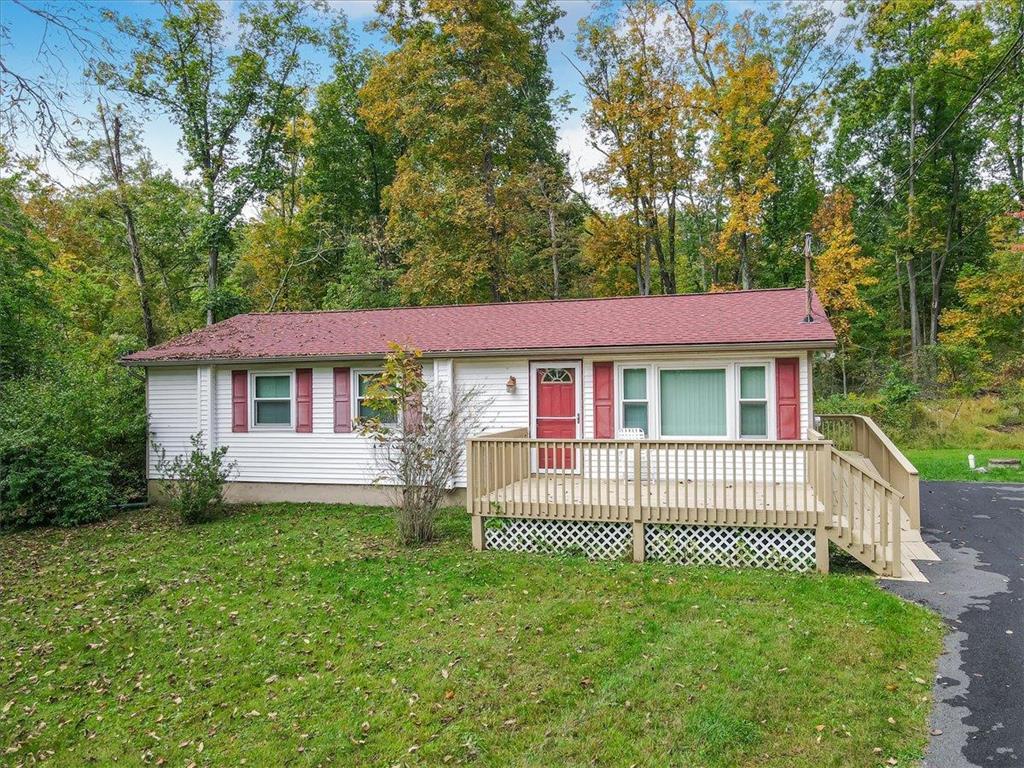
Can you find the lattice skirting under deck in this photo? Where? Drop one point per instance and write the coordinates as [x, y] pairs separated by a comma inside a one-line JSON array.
[[784, 549], [780, 549], [596, 540]]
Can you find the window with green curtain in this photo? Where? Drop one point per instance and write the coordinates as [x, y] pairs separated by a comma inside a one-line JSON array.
[[752, 382], [634, 384], [273, 412], [365, 411], [273, 386], [693, 403], [634, 399], [753, 402], [753, 421], [272, 398]]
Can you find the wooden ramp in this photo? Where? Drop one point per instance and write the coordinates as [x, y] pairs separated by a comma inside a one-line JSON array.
[[864, 544]]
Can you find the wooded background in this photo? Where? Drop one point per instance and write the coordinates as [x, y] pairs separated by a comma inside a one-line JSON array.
[[429, 171]]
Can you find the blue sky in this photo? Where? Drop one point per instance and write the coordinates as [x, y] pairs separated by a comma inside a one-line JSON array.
[[32, 47]]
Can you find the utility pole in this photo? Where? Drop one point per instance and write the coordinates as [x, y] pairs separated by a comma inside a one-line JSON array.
[[915, 324], [809, 314]]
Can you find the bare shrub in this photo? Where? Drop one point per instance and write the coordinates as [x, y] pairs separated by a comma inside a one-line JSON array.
[[420, 435]]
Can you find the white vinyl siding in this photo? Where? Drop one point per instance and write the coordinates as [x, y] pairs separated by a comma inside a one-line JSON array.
[[183, 400], [500, 409], [173, 400]]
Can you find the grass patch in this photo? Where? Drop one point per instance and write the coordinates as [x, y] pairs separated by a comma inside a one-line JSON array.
[[300, 635], [951, 464]]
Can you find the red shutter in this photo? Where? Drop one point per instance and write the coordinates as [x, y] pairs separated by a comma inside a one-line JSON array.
[[239, 401], [787, 397], [342, 400], [303, 399], [604, 401], [412, 419]]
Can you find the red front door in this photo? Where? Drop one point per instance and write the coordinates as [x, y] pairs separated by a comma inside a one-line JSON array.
[[556, 415]]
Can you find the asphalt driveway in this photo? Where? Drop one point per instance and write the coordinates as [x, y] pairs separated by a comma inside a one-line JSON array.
[[978, 587]]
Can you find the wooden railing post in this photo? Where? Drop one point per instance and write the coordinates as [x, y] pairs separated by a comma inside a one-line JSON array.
[[476, 519], [897, 539], [472, 472], [638, 522]]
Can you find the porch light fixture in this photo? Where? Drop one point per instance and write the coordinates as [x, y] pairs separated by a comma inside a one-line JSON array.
[[510, 385]]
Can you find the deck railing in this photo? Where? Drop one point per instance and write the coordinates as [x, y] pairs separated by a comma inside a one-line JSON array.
[[780, 484], [727, 483], [853, 432], [863, 514]]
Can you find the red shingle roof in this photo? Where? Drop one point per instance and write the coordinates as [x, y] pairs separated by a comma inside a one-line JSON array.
[[736, 318]]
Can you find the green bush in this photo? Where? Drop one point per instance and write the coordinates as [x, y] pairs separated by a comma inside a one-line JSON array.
[[72, 440], [45, 482], [195, 484]]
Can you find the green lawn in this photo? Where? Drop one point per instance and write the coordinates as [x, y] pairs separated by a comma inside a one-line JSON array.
[[300, 635], [951, 464]]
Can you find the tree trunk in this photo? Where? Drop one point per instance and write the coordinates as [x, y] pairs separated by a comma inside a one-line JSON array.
[[554, 250], [842, 365], [491, 203], [669, 281], [643, 261], [938, 263], [915, 320], [116, 164], [212, 252], [745, 279], [915, 325], [654, 243], [211, 282]]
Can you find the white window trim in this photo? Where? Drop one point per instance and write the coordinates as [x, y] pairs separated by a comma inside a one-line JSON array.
[[732, 391], [354, 387], [620, 390], [290, 426], [769, 398]]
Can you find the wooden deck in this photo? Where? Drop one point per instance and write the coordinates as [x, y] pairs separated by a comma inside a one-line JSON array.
[[798, 485], [567, 496]]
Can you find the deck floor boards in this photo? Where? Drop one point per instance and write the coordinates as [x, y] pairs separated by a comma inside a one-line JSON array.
[[616, 497]]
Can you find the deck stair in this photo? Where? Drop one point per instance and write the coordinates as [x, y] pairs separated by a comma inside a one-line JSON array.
[[847, 484]]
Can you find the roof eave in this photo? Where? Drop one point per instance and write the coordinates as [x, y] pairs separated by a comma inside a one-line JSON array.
[[817, 344]]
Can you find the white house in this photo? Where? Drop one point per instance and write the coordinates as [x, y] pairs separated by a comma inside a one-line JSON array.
[[720, 377]]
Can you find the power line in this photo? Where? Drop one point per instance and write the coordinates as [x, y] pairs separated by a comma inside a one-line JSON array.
[[986, 82]]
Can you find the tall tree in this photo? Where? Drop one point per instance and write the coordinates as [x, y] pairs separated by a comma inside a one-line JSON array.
[[26, 309], [755, 78], [467, 93], [232, 102], [348, 168], [910, 136], [641, 121], [842, 269], [112, 140]]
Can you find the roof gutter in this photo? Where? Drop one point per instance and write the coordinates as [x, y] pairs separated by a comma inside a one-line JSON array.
[[785, 346]]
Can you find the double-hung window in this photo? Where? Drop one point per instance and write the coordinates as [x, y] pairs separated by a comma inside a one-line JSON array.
[[272, 399], [364, 379], [753, 401], [693, 402], [635, 403]]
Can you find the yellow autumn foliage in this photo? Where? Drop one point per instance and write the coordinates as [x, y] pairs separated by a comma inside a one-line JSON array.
[[841, 268]]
